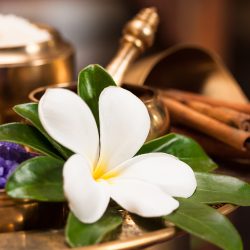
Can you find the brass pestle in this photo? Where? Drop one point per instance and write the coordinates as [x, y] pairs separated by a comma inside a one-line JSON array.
[[137, 36]]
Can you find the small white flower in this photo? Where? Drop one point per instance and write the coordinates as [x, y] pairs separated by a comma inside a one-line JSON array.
[[103, 168]]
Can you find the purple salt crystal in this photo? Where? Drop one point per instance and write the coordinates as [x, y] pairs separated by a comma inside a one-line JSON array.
[[1, 170], [2, 182], [11, 155]]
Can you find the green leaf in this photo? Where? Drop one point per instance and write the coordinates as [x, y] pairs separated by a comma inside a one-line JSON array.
[[91, 82], [29, 111], [186, 149], [27, 135], [80, 234], [206, 223], [212, 189], [39, 178]]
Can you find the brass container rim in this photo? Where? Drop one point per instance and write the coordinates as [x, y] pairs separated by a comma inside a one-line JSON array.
[[7, 201], [34, 94], [147, 94]]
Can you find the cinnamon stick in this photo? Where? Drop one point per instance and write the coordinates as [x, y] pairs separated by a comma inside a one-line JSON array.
[[226, 115], [212, 146], [185, 96], [186, 116]]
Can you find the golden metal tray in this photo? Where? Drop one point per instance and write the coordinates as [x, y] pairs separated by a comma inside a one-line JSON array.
[[131, 237]]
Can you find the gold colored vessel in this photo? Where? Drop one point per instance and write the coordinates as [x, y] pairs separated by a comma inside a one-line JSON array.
[[13, 213], [158, 114], [187, 67], [27, 67], [25, 214]]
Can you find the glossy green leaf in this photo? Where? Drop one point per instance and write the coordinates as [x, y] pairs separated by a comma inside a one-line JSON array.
[[212, 189], [206, 223], [186, 149], [91, 82], [80, 234], [27, 135], [39, 178], [29, 111]]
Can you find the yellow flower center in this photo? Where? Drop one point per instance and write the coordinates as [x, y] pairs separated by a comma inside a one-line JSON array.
[[101, 172]]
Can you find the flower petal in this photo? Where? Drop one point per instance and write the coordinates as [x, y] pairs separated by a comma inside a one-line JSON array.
[[87, 198], [173, 176], [124, 125], [68, 120], [142, 198]]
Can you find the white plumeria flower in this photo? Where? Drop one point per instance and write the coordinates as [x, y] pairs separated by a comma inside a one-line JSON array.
[[103, 168]]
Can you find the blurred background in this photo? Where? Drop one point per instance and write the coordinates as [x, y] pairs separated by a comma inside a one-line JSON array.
[[94, 28]]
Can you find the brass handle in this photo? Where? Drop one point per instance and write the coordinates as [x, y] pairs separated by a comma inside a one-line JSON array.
[[138, 35]]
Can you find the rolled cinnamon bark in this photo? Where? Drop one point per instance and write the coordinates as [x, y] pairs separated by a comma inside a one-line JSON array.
[[212, 146], [226, 115], [186, 116], [185, 96]]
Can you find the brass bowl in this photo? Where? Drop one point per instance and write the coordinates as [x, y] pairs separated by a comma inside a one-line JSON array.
[[159, 116], [24, 68], [25, 214]]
